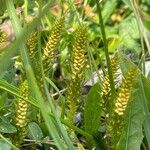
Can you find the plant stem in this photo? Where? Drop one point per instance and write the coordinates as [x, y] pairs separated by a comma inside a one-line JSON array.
[[70, 125], [106, 49]]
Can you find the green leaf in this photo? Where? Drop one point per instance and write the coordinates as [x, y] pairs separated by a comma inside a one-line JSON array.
[[92, 110], [35, 131], [5, 126], [108, 8], [4, 145], [3, 98], [137, 111], [145, 86], [15, 91], [132, 135]]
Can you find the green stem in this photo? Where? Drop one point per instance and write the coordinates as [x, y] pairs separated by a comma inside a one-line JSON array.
[[26, 8], [106, 49], [138, 19], [70, 125]]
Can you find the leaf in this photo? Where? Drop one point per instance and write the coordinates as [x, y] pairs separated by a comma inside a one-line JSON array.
[[145, 86], [35, 132], [132, 135], [92, 110], [3, 98], [5, 126], [108, 9], [128, 33], [4, 145], [15, 91]]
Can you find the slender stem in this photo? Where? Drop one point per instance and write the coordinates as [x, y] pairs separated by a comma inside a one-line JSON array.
[[106, 48], [25, 7], [70, 125], [138, 19]]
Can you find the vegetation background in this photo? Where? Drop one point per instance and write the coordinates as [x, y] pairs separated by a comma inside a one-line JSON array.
[[74, 74]]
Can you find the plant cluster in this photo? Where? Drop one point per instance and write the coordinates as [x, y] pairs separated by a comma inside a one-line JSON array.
[[75, 75]]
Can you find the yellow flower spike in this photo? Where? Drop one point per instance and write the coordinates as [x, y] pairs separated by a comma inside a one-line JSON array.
[[3, 37], [53, 40], [79, 47], [78, 65], [22, 106], [106, 85], [32, 43], [125, 92], [21, 114]]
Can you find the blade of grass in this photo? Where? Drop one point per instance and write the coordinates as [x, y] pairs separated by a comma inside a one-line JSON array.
[[15, 91], [53, 85]]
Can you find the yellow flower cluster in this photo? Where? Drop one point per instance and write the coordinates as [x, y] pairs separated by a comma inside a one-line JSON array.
[[125, 91], [79, 49], [106, 84], [52, 43], [21, 115], [3, 37], [32, 43], [22, 106], [78, 64]]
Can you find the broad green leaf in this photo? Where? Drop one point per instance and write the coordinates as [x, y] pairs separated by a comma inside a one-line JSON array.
[[138, 113], [132, 134], [35, 131], [6, 127], [4, 145], [92, 111]]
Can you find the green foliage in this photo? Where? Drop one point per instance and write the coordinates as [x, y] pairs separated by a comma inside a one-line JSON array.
[[143, 84], [92, 111], [132, 135], [4, 145], [35, 132], [59, 46], [5, 126]]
